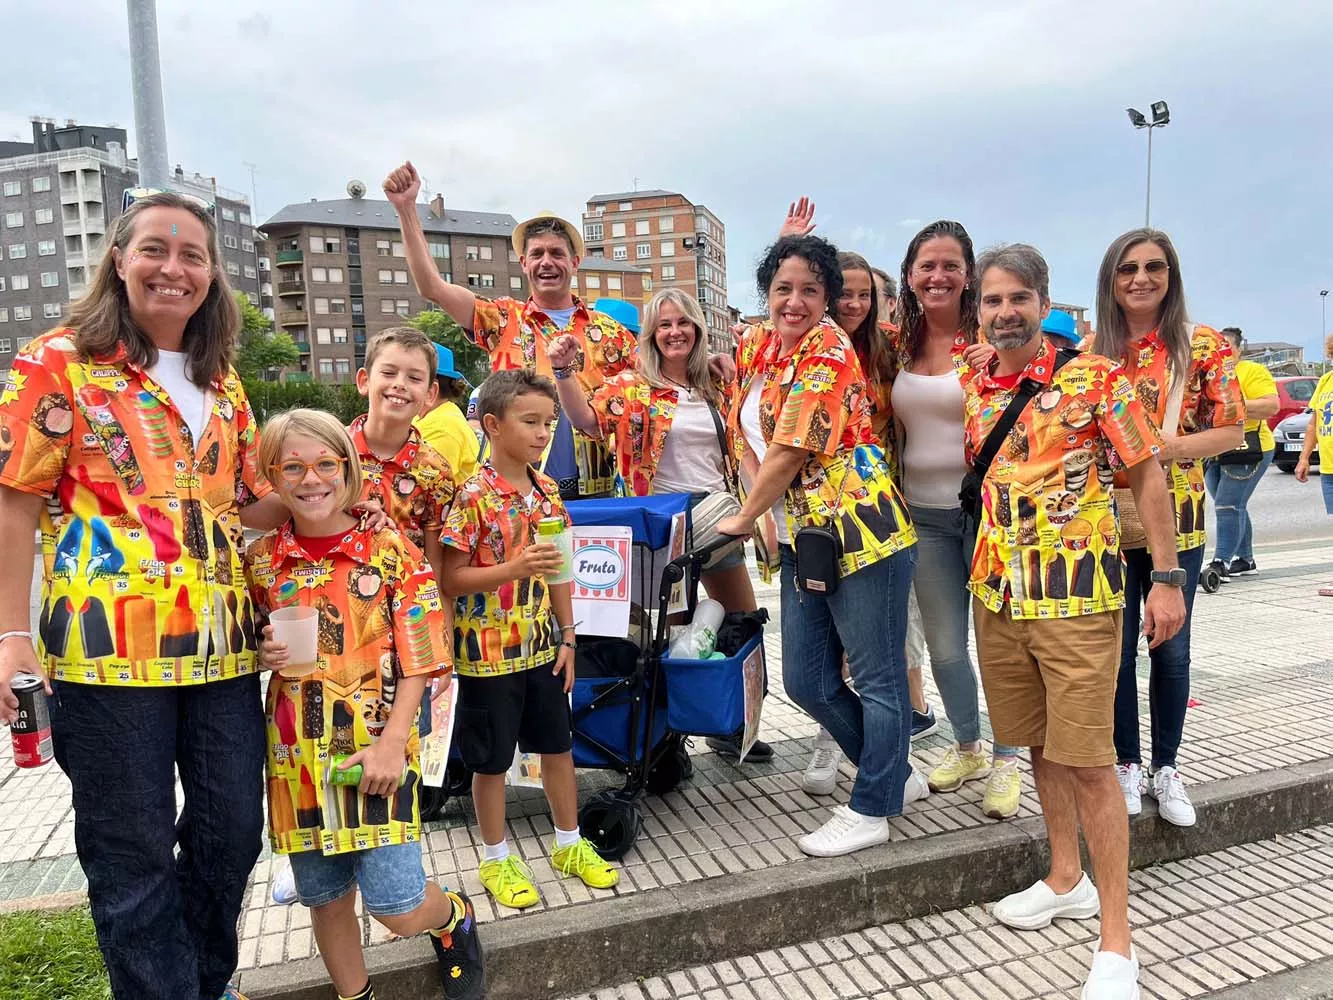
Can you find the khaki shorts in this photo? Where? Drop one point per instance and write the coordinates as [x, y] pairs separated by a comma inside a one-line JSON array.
[[1051, 682]]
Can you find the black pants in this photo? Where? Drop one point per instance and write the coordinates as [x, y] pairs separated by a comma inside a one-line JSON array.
[[166, 924]]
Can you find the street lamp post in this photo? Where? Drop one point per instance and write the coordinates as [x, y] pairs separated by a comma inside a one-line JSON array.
[[150, 125], [1323, 314], [1161, 116]]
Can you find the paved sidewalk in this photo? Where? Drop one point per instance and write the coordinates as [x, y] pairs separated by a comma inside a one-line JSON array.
[[1263, 676], [1201, 925]]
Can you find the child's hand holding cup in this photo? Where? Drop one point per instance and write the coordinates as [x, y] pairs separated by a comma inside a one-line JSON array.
[[291, 641]]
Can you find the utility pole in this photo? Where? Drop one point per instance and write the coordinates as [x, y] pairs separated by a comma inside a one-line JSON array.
[[254, 205], [150, 120]]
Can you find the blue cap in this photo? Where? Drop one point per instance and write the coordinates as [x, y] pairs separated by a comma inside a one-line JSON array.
[[1060, 324], [444, 363], [624, 313]]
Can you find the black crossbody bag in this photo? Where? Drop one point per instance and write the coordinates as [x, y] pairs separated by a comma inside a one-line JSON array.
[[969, 496]]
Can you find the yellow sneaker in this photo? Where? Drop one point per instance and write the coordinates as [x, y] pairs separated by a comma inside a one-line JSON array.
[[582, 859], [509, 881], [1003, 790], [959, 766]]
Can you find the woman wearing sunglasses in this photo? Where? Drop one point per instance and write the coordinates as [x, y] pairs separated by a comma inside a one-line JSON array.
[[1185, 376]]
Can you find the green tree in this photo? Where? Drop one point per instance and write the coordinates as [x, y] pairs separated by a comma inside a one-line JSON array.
[[261, 349], [469, 359]]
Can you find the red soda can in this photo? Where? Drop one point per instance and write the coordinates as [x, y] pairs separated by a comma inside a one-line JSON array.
[[30, 732]]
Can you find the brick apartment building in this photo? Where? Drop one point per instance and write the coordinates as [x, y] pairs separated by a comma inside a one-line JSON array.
[[599, 278]]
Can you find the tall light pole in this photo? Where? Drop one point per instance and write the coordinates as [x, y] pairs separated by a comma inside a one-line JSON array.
[[150, 120], [1323, 315], [1161, 115]]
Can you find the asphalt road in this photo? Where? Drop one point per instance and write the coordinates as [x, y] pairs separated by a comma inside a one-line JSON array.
[[1283, 510]]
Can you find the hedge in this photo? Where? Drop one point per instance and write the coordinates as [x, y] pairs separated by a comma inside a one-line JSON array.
[[268, 398]]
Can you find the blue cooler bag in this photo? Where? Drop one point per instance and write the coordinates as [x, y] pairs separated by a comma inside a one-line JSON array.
[[707, 697]]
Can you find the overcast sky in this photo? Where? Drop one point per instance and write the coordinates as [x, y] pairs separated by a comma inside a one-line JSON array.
[[1006, 116]]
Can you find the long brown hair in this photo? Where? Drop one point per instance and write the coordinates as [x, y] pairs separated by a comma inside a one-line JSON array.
[[1172, 318], [696, 365], [101, 319], [911, 317], [867, 337]]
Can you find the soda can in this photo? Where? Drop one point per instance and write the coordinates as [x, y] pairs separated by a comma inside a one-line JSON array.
[[30, 732], [352, 775], [550, 526]]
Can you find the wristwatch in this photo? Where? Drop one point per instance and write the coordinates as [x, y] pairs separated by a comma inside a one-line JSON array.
[[1170, 577]]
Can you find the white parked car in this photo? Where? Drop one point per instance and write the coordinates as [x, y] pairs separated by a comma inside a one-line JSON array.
[[1289, 439]]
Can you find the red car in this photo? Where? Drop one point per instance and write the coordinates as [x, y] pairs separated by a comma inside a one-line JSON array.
[[1293, 396]]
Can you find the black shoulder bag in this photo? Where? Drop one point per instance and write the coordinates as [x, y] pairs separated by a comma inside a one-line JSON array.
[[969, 496]]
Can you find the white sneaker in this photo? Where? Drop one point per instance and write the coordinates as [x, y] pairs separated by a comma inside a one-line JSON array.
[[1112, 977], [916, 789], [1130, 777], [821, 774], [1173, 802], [284, 882], [845, 832], [1036, 906]]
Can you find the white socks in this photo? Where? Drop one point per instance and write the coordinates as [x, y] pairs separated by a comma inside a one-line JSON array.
[[566, 838], [495, 852]]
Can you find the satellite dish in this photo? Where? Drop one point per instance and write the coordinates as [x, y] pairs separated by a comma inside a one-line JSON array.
[[356, 189]]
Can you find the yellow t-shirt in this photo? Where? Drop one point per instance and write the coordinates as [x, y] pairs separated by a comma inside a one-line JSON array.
[[1256, 381], [447, 431], [1322, 404]]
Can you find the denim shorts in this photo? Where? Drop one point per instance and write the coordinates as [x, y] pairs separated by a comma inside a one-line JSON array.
[[726, 558], [391, 879], [1326, 484]]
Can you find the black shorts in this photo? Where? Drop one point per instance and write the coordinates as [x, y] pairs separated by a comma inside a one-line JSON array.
[[528, 709]]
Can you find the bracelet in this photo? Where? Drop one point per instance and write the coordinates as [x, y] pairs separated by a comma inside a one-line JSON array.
[[568, 645], [570, 628], [563, 373], [16, 634]]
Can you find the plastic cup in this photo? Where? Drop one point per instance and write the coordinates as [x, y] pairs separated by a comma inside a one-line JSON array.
[[298, 628]]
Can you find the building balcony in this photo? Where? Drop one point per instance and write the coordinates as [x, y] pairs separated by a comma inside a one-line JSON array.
[[286, 257], [303, 346], [291, 287], [292, 317]]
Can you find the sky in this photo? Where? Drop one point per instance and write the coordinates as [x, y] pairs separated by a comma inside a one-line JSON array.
[[1009, 117]]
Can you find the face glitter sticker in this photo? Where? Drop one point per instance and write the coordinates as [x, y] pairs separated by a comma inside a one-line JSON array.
[[173, 229]]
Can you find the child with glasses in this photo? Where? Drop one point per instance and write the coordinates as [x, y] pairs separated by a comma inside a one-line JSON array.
[[344, 775]]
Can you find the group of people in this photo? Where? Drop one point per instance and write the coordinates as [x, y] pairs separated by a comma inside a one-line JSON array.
[[902, 456]]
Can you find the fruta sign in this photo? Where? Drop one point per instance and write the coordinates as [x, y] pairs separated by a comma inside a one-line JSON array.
[[600, 568]]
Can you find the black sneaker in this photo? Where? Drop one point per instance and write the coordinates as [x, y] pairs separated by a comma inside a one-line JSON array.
[[1223, 574], [923, 725], [462, 964], [1243, 567], [730, 747]]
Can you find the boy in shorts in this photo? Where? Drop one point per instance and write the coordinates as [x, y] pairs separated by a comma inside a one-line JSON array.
[[514, 635]]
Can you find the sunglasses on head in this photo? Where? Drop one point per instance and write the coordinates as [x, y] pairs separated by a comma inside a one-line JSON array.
[[1131, 267], [293, 473]]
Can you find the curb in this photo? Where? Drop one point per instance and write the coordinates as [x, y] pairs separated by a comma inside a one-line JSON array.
[[45, 904], [1309, 982], [577, 949]]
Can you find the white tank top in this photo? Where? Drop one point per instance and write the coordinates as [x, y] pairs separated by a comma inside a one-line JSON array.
[[930, 409]]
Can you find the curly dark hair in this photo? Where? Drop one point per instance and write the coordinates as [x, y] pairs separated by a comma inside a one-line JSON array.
[[911, 318], [819, 253]]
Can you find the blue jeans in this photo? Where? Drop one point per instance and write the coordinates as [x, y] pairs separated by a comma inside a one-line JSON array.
[[1169, 673], [1231, 487], [391, 879], [944, 562], [872, 725], [166, 925]]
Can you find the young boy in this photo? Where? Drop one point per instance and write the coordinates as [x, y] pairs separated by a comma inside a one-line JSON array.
[[379, 626], [514, 635]]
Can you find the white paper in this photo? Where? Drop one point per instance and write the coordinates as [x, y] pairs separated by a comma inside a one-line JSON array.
[[435, 747], [601, 584], [676, 548], [753, 674]]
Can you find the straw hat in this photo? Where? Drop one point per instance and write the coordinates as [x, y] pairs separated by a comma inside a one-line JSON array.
[[520, 237]]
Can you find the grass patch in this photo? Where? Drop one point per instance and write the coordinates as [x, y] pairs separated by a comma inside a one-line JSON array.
[[48, 955]]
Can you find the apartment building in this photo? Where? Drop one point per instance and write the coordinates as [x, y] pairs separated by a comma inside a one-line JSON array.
[[338, 273], [683, 245], [599, 278], [59, 196]]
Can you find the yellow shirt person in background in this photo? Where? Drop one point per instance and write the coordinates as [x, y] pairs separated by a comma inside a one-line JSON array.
[[444, 427]]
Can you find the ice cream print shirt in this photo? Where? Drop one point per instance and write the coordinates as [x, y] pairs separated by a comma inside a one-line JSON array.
[[1212, 399], [414, 487], [513, 628], [141, 538], [1049, 542], [379, 620], [815, 399]]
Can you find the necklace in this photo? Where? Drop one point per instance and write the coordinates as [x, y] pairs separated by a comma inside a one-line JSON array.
[[679, 385]]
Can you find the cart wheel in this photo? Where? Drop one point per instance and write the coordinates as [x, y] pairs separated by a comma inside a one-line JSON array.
[[611, 822], [432, 802], [457, 779], [671, 769], [1210, 579]]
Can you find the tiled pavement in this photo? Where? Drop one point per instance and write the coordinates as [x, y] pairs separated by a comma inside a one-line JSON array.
[[1200, 925], [1263, 676]]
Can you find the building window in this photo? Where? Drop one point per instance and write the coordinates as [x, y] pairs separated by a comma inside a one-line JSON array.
[[515, 283], [332, 244], [4, 318], [591, 282], [641, 227], [343, 366], [472, 252], [46, 248], [358, 307], [254, 299], [322, 307], [17, 251], [440, 251], [397, 249], [613, 283], [13, 220], [620, 252], [592, 231], [323, 335], [474, 280], [383, 248], [627, 206], [386, 306], [2, 284], [13, 188], [18, 282], [335, 275], [617, 230], [319, 274], [6, 345], [229, 215], [229, 242], [668, 248], [513, 257], [22, 314], [386, 277], [43, 216], [666, 224], [51, 310], [244, 217], [50, 279], [400, 277], [41, 184], [668, 272], [487, 253], [401, 306], [248, 246], [643, 251], [250, 271], [326, 366], [340, 334], [234, 269], [317, 244], [488, 281]]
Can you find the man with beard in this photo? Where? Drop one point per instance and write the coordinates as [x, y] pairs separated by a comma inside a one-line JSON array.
[[1049, 653]]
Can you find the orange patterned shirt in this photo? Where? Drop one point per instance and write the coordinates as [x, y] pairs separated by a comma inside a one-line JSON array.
[[516, 334], [380, 620], [141, 536], [1212, 399], [415, 487], [1049, 541], [815, 398]]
